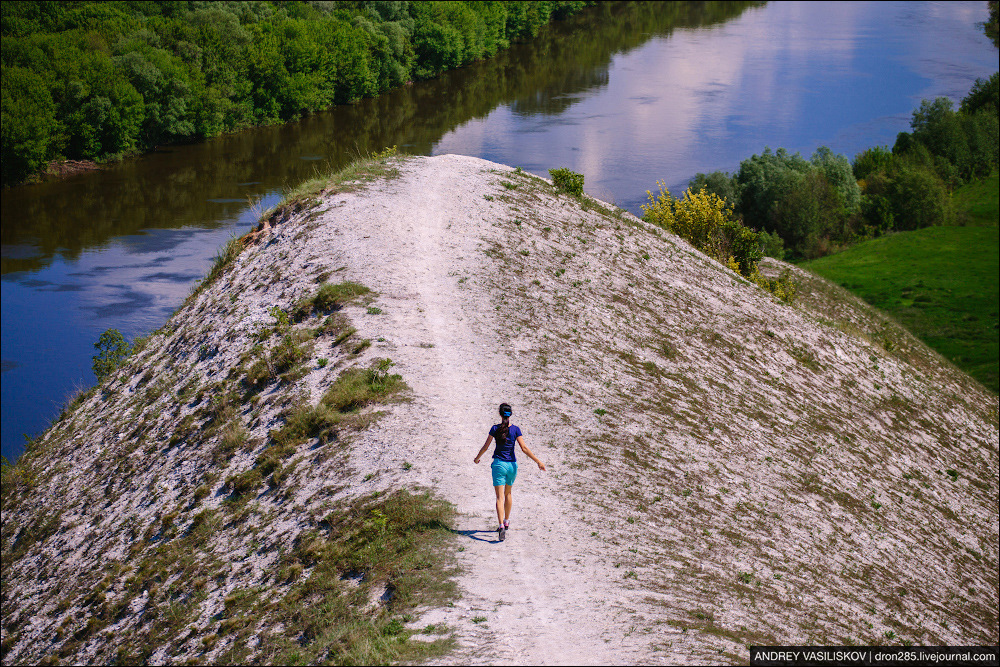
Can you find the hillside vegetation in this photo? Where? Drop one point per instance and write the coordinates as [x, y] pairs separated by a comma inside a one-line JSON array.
[[861, 219], [283, 473], [97, 80], [940, 282], [810, 208]]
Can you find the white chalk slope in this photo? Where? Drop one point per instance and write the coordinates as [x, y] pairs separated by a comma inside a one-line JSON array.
[[723, 469]]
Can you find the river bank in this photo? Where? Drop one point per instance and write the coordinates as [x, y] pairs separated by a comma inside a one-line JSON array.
[[161, 74], [123, 247]]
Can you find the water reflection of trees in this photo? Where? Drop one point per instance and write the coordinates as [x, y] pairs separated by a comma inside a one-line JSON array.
[[173, 188]]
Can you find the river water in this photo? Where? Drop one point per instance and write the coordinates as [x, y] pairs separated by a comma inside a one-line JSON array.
[[626, 94]]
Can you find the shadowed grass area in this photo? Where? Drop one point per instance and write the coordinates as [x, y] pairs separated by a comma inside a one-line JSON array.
[[939, 282], [979, 203]]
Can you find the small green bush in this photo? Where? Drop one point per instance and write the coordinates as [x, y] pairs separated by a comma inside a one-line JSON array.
[[112, 350], [286, 355], [285, 360], [303, 421], [330, 296], [267, 464], [244, 483], [782, 287], [234, 436], [567, 181], [356, 387], [258, 374]]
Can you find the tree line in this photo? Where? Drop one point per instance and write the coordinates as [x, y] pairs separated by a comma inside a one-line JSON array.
[[785, 206], [100, 80], [811, 207]]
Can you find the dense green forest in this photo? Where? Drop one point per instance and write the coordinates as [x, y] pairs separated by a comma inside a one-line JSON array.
[[100, 80]]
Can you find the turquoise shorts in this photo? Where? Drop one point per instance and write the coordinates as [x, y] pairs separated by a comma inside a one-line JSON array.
[[504, 472]]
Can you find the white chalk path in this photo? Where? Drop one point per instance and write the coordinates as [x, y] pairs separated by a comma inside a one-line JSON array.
[[545, 592]]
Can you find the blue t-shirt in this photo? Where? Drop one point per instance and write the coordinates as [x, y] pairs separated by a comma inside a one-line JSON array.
[[505, 450]]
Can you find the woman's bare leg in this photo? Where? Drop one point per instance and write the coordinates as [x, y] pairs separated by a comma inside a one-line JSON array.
[[500, 503], [508, 502]]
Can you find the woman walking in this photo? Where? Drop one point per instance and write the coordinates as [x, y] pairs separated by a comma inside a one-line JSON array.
[[504, 466]]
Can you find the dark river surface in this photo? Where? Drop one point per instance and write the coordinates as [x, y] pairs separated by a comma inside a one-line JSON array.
[[643, 92]]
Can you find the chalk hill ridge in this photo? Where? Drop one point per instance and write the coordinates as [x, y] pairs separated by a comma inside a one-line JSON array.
[[724, 469]]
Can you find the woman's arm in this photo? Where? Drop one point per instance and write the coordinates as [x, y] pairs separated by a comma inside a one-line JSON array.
[[486, 445], [527, 452]]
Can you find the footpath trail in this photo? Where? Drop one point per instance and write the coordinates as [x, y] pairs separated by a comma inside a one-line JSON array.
[[543, 596]]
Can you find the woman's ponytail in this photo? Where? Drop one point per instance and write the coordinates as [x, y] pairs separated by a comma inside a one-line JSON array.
[[504, 431]]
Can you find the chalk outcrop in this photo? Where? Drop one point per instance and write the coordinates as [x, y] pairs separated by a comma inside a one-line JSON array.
[[724, 469]]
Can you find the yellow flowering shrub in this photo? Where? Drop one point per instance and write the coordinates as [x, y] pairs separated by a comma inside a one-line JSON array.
[[782, 287], [706, 221], [695, 218]]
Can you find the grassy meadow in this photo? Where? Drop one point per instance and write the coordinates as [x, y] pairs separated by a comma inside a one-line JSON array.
[[939, 282]]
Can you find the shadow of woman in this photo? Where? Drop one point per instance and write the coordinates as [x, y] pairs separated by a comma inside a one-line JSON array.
[[475, 534]]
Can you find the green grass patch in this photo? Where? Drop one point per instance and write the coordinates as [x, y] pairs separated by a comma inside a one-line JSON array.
[[353, 389], [328, 298], [979, 203], [397, 546], [939, 282], [365, 169], [567, 181]]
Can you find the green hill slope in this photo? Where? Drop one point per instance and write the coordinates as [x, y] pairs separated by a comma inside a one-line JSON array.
[[939, 282]]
